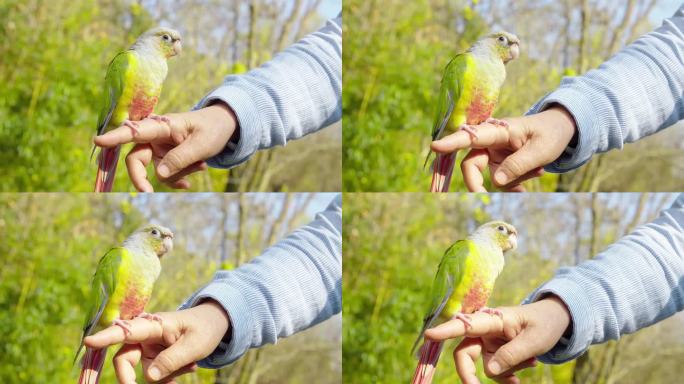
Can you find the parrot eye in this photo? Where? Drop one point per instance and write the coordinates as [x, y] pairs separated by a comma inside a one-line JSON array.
[[502, 39], [155, 232], [501, 228], [166, 38]]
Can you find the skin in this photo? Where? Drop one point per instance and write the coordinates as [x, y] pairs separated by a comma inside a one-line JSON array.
[[515, 153], [167, 348], [177, 144], [507, 343]]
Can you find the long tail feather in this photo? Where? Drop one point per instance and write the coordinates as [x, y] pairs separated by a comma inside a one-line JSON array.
[[429, 356], [93, 360], [443, 168], [106, 168]]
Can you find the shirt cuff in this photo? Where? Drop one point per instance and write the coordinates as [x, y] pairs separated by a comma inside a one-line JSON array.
[[583, 112], [248, 122], [235, 304], [577, 301]]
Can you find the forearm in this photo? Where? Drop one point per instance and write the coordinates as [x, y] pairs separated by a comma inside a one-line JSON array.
[[632, 284], [634, 94], [296, 93], [293, 285]]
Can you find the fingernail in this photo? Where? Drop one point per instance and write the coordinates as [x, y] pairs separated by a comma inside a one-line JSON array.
[[500, 177], [494, 367], [163, 170], [154, 373]]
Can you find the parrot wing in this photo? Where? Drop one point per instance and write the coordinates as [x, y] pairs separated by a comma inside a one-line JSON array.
[[448, 277], [450, 92], [114, 85], [104, 284]]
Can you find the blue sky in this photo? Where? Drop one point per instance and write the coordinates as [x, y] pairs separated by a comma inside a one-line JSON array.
[[330, 8]]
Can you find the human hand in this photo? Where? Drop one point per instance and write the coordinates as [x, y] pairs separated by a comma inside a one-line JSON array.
[[167, 348], [177, 147], [508, 343], [515, 153]]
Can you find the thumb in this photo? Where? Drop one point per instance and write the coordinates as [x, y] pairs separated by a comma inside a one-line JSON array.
[[185, 154], [517, 164], [521, 348], [179, 355]]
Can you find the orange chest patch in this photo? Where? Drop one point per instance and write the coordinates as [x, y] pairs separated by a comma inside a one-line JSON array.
[[132, 305], [142, 106], [480, 109], [475, 298]]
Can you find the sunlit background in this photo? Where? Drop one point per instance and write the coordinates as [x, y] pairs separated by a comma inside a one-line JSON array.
[[51, 244], [394, 55], [393, 244], [55, 56]]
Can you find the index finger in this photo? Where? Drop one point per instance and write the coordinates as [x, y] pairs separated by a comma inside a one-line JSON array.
[[488, 135], [141, 330], [482, 324], [148, 130]]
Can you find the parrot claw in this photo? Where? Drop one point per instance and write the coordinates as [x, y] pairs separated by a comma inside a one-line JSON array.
[[125, 325], [494, 121], [470, 129], [159, 118], [491, 311], [464, 318], [150, 316], [133, 125]]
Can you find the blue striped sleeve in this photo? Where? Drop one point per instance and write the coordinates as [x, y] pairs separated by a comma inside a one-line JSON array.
[[634, 283], [636, 93], [296, 93], [293, 285]]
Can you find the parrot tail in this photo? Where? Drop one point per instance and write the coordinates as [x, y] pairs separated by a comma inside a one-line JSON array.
[[106, 168], [443, 167], [93, 360], [429, 356]]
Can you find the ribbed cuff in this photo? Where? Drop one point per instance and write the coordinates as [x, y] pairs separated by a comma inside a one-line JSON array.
[[235, 304], [249, 124], [578, 302], [583, 111]]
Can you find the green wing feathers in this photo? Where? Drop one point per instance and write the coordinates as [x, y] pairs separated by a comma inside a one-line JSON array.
[[114, 85], [449, 276], [450, 92], [104, 284]]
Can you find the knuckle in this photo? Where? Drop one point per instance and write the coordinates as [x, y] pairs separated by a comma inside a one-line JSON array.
[[167, 363], [505, 355], [513, 167]]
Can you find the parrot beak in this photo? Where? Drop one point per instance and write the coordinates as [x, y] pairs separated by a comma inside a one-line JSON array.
[[177, 47], [515, 51], [513, 241], [168, 244]]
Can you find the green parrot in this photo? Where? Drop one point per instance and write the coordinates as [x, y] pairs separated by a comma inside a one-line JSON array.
[[468, 95], [464, 281], [132, 87], [122, 286]]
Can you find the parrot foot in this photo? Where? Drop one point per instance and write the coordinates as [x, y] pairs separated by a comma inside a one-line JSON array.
[[494, 121], [150, 316], [491, 311], [470, 129], [125, 325], [133, 125], [464, 318], [159, 118]]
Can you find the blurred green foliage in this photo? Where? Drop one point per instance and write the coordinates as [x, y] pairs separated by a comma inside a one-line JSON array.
[[393, 243], [394, 55], [54, 59], [50, 247]]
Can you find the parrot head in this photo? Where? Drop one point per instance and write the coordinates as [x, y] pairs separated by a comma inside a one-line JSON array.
[[166, 41], [505, 45], [503, 234], [156, 237]]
